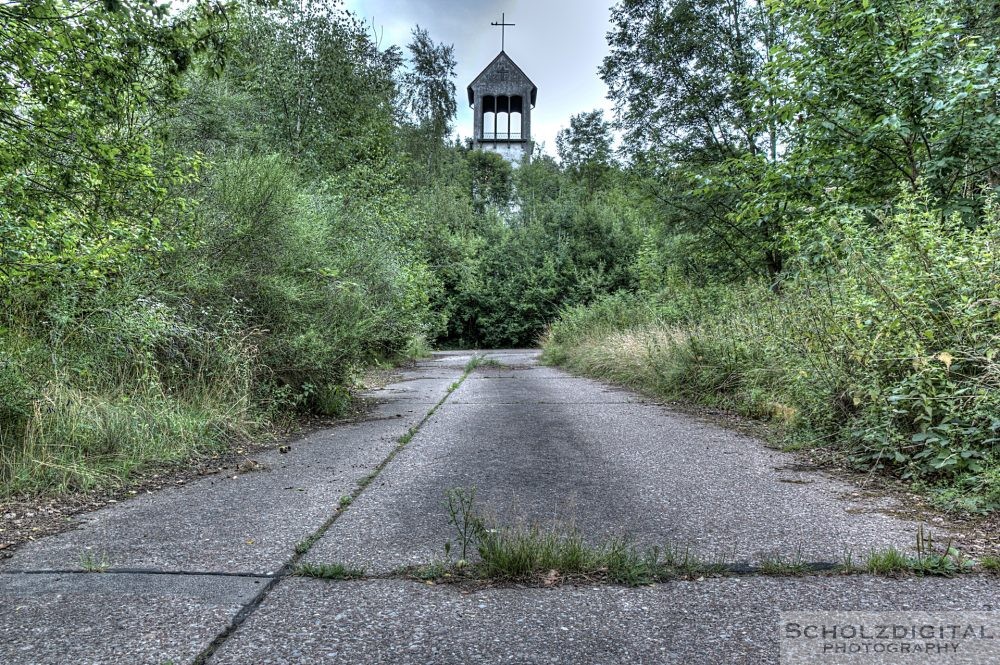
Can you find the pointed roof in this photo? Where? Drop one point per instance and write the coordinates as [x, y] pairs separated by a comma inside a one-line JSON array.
[[503, 55]]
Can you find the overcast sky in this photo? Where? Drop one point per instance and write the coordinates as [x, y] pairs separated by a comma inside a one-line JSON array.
[[558, 43]]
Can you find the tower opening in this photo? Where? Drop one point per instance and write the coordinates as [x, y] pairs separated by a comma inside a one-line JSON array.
[[502, 97], [489, 122]]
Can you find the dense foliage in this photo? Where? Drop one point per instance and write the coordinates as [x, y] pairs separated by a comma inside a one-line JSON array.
[[824, 248], [201, 230]]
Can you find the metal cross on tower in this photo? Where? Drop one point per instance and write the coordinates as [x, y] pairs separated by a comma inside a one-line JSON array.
[[503, 25]]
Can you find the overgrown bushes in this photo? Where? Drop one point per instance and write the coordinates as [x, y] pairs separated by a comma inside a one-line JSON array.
[[821, 248], [273, 304], [542, 243], [211, 278], [880, 346], [106, 381]]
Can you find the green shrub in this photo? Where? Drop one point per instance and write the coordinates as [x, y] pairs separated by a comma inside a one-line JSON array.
[[275, 301], [322, 293], [881, 346]]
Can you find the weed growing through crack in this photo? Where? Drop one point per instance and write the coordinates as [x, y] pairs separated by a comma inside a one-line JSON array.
[[528, 552], [345, 501], [628, 565], [776, 564], [474, 362], [435, 570], [847, 564], [329, 571], [889, 561], [481, 361], [462, 515], [519, 552], [944, 561], [522, 552], [687, 564], [93, 562], [990, 563], [304, 546]]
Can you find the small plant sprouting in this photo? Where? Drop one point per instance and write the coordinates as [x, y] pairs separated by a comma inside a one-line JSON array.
[[345, 501], [93, 562], [305, 545], [889, 561], [461, 503], [435, 570], [481, 361], [929, 560], [329, 571], [528, 551], [848, 565], [990, 563], [777, 564], [945, 562], [367, 479], [473, 363]]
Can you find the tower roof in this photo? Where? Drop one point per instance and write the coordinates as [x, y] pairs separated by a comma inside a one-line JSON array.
[[502, 58]]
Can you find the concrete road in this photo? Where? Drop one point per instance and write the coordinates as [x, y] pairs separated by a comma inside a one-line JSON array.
[[201, 573]]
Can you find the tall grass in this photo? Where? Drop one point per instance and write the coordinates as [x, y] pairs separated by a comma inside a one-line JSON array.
[[882, 348], [115, 390], [271, 303]]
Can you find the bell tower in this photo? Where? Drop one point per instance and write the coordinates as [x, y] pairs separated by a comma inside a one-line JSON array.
[[502, 97]]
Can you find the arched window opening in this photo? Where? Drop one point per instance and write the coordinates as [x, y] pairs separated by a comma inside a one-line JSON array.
[[489, 117], [503, 126], [515, 126], [503, 117]]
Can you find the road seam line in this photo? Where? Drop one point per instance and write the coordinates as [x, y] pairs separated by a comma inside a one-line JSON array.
[[288, 569], [137, 571]]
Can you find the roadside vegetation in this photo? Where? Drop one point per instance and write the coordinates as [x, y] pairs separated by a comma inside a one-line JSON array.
[[824, 248], [199, 238]]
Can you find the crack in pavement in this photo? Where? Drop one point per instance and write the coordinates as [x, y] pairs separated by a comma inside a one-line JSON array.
[[289, 567], [717, 569], [460, 576], [545, 403], [457, 577], [136, 571]]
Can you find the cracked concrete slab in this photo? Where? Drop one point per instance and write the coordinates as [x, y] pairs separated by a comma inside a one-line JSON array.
[[712, 621], [112, 619], [417, 390], [610, 469], [527, 387], [234, 522], [448, 359]]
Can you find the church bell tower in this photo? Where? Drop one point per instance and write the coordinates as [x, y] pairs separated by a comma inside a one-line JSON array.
[[502, 97]]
